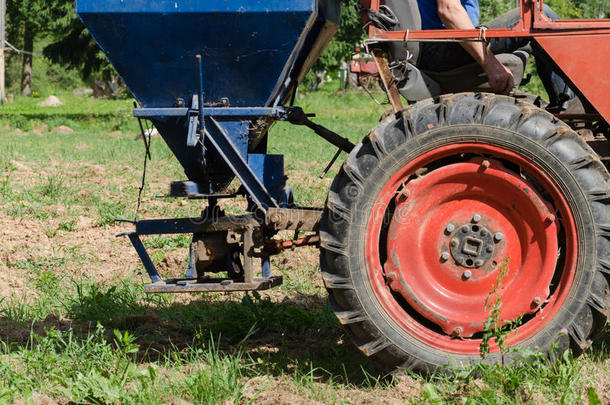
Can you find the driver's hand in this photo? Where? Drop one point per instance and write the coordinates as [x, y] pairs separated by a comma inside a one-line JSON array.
[[500, 77]]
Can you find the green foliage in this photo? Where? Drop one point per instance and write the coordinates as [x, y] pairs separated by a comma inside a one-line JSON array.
[[350, 34], [24, 15], [495, 327], [72, 46], [491, 9]]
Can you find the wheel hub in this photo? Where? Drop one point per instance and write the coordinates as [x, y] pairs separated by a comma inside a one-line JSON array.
[[452, 229], [471, 246]]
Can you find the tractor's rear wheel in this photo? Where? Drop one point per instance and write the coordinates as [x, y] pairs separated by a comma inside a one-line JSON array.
[[428, 207]]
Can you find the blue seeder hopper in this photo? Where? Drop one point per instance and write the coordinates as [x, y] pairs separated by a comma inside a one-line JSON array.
[[213, 76]]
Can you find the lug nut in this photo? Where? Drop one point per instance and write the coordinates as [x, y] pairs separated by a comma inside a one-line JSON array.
[[445, 256], [467, 274], [476, 218], [457, 332], [450, 228], [479, 263], [485, 164], [536, 302], [498, 237], [460, 261], [490, 249], [465, 229], [454, 242], [483, 232]]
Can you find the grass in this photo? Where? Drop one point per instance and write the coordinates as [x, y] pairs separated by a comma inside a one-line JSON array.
[[76, 325]]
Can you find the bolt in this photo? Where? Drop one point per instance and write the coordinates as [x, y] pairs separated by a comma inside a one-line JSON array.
[[483, 232], [450, 228], [454, 242], [476, 218], [457, 332], [485, 164], [403, 195], [275, 219], [498, 237], [536, 302], [550, 218], [467, 274], [479, 263], [490, 249], [445, 256], [460, 261], [465, 229]]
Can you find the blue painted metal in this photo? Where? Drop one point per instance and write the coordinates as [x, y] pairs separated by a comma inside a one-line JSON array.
[[144, 257], [269, 169], [266, 268], [248, 46], [219, 137], [241, 112]]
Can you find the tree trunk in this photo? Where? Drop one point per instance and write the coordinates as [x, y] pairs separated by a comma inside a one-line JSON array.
[[28, 47]]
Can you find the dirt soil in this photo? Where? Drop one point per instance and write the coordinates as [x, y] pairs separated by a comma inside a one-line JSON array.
[[110, 258]]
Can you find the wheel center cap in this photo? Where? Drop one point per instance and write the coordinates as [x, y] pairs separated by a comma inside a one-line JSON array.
[[472, 245]]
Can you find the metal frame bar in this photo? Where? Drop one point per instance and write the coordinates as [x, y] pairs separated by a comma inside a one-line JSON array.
[[534, 23], [234, 112], [144, 257], [225, 147]]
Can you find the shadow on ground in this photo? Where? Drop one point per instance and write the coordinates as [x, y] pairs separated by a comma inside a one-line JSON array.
[[297, 336]]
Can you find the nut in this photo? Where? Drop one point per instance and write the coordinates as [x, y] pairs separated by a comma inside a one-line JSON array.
[[450, 228], [476, 218], [445, 256], [486, 163], [467, 274], [498, 237], [457, 332]]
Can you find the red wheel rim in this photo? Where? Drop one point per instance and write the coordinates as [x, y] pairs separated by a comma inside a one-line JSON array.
[[435, 243]]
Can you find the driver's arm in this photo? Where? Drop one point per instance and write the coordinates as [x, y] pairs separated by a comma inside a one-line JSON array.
[[454, 16]]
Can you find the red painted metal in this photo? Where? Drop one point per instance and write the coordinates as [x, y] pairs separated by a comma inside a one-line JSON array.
[[436, 290], [579, 47], [585, 60]]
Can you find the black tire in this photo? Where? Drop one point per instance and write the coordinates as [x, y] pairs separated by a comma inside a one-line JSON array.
[[512, 124]]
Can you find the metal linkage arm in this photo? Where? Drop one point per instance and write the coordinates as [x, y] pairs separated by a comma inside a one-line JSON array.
[[296, 116]]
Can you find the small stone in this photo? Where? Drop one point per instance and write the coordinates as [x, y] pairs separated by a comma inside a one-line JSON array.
[[82, 92], [62, 129], [51, 101]]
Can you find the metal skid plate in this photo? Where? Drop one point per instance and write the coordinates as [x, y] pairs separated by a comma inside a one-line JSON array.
[[213, 285]]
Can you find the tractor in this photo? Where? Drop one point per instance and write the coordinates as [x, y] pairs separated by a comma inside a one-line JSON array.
[[457, 192]]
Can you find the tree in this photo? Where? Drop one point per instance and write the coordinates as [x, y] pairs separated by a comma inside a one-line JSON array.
[[26, 20], [74, 47]]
